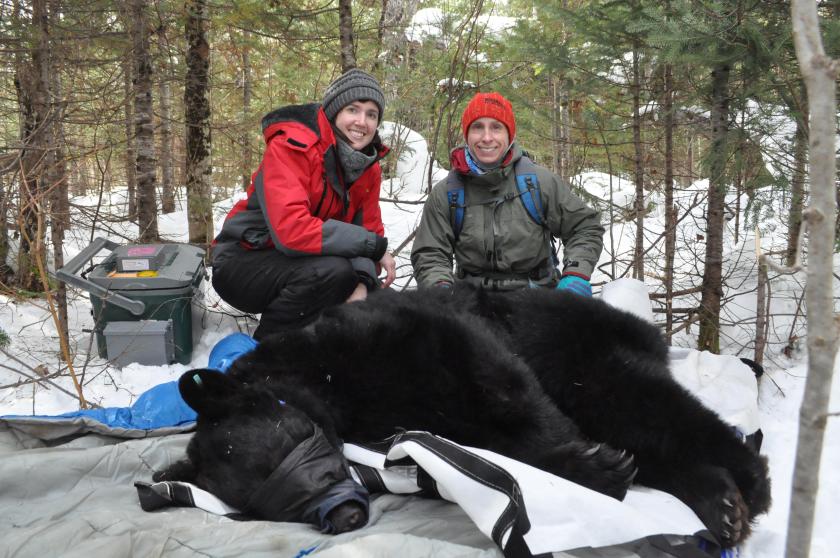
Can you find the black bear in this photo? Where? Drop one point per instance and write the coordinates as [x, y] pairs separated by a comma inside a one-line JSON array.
[[551, 379], [264, 457], [608, 371], [411, 362]]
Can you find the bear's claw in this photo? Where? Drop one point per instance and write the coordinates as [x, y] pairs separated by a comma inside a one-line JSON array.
[[596, 466], [720, 505]]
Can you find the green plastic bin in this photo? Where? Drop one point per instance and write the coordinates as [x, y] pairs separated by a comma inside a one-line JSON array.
[[142, 282]]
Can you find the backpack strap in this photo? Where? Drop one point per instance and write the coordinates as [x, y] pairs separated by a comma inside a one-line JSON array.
[[529, 192], [527, 184], [529, 189], [455, 196]]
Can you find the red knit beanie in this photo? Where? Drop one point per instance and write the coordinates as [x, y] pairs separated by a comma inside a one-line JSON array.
[[490, 105]]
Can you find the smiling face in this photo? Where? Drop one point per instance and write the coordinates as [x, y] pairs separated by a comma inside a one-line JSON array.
[[488, 140], [358, 122]]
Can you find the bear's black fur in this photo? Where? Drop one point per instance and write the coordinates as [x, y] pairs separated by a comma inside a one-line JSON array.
[[551, 379], [243, 435], [415, 363], [608, 371]]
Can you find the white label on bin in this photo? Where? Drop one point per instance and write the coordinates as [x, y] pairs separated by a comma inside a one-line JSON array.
[[135, 265]]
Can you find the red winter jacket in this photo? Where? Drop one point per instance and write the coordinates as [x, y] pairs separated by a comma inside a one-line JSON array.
[[297, 202]]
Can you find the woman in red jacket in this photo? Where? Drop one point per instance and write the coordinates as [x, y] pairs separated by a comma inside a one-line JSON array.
[[310, 234]]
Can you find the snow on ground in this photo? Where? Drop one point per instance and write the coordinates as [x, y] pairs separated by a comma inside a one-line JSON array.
[[33, 340]]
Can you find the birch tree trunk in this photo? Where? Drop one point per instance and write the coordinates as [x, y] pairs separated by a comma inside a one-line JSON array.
[[197, 115], [345, 33], [740, 176], [391, 40], [820, 73], [144, 130], [566, 168], [709, 336], [761, 305], [385, 19], [689, 159], [561, 127]]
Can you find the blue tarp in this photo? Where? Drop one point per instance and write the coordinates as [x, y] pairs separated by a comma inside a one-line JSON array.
[[162, 405]]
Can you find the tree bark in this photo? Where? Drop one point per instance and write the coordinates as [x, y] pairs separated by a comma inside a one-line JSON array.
[[560, 124], [689, 157], [639, 174], [820, 73], [556, 132], [560, 112], [381, 30], [32, 83], [566, 166], [709, 336], [797, 183], [197, 115], [345, 33], [761, 305], [244, 139], [144, 130], [56, 178], [740, 176], [167, 173], [392, 47], [670, 210], [5, 270], [130, 156]]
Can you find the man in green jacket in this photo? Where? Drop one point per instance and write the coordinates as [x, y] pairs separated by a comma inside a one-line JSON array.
[[495, 240]]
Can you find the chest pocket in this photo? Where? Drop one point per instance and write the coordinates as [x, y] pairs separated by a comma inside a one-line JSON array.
[[519, 243]]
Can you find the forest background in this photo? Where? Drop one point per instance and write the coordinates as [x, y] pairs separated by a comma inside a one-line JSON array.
[[164, 99]]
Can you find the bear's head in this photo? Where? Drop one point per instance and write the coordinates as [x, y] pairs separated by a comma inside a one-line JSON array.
[[266, 458]]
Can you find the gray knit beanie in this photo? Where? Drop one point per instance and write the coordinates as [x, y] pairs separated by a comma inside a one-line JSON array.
[[352, 85]]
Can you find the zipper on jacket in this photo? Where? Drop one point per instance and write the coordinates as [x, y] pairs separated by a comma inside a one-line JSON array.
[[323, 195]]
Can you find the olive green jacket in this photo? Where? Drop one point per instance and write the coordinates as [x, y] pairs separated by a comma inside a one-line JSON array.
[[499, 242]]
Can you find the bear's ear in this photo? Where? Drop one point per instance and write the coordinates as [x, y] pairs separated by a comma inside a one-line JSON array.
[[208, 391]]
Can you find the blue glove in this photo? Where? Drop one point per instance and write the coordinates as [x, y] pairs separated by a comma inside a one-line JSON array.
[[575, 284]]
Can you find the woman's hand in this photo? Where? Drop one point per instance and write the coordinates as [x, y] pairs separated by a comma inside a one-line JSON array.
[[389, 265], [359, 293]]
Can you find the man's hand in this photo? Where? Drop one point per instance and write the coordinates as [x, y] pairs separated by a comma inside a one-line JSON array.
[[389, 265]]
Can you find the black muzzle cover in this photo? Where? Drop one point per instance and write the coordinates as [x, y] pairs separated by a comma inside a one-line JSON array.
[[309, 483]]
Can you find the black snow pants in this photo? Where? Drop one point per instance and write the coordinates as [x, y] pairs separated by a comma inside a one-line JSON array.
[[288, 292]]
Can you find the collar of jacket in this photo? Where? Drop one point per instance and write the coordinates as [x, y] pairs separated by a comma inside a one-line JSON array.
[[304, 124], [458, 159], [307, 125], [491, 178]]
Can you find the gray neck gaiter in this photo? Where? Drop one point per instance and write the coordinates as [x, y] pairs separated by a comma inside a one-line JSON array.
[[352, 161]]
